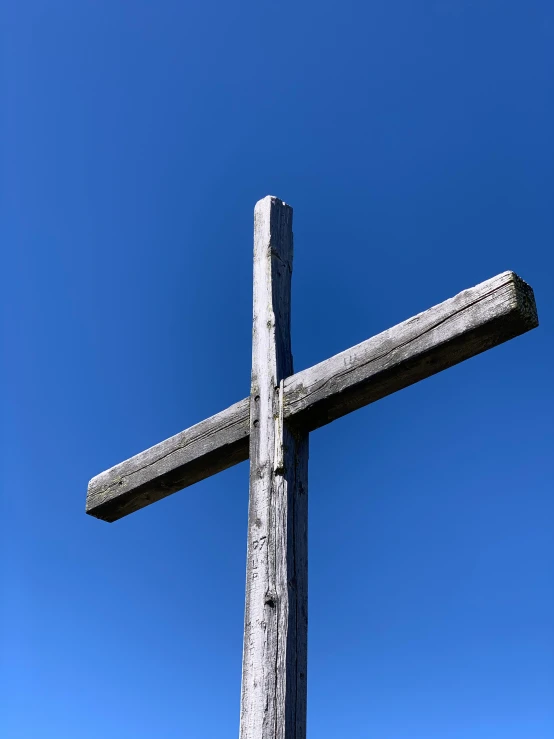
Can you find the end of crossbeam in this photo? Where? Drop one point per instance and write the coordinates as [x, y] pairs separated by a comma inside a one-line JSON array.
[[525, 306]]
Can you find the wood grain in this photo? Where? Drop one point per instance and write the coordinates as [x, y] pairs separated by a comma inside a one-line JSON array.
[[473, 321], [459, 328], [273, 696], [192, 455]]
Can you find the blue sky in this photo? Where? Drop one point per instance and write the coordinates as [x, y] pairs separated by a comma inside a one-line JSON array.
[[414, 141]]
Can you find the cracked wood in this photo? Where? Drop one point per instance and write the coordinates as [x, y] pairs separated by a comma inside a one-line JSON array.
[[274, 666], [188, 457], [469, 323]]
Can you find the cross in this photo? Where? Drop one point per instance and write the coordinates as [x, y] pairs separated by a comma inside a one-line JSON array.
[[271, 427]]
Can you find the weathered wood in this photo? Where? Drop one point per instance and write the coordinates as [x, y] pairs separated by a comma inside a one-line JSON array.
[[192, 455], [469, 323], [273, 697]]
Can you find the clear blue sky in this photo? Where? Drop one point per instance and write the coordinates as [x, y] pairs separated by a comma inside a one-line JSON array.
[[415, 143]]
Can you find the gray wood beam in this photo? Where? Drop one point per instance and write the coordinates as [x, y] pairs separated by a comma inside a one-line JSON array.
[[200, 451], [274, 662], [473, 321], [469, 323]]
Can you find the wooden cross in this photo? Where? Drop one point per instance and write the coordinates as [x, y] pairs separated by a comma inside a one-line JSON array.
[[271, 427]]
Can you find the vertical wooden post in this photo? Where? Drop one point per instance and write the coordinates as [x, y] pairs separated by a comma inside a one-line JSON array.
[[274, 666]]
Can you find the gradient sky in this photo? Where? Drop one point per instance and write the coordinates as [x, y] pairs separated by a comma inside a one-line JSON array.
[[415, 142]]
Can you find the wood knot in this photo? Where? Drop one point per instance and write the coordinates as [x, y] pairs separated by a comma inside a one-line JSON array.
[[270, 600]]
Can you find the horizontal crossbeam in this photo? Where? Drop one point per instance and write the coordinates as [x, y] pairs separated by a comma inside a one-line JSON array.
[[469, 323]]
